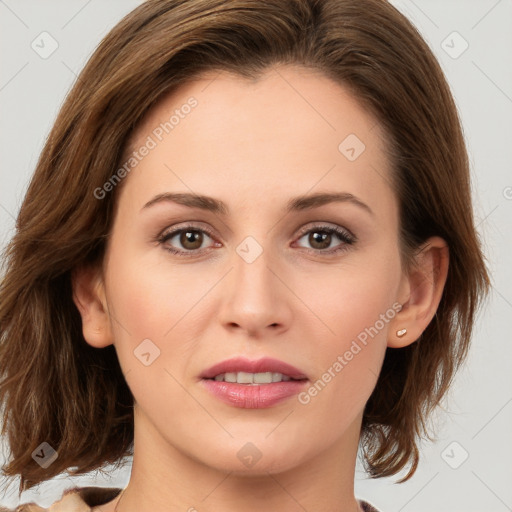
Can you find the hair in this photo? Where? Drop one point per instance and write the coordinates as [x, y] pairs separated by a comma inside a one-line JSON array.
[[55, 387]]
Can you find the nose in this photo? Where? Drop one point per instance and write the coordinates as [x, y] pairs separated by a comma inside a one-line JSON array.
[[255, 298]]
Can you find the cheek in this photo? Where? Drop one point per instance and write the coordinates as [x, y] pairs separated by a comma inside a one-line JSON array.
[[349, 299], [151, 301], [157, 301], [151, 298], [354, 309]]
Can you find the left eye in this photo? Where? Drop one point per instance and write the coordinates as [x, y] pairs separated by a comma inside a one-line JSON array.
[[320, 238]]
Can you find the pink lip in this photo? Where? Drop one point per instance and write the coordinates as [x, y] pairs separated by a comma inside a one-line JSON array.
[[240, 364], [253, 396]]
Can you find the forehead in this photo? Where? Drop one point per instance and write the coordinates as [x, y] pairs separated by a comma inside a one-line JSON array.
[[279, 96], [290, 130]]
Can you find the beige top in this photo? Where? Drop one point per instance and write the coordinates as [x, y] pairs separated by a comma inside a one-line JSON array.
[[75, 499], [81, 499]]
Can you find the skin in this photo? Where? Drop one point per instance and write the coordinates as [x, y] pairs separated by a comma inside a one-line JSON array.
[[254, 145]]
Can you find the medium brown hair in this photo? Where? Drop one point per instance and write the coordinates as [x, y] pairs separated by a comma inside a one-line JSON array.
[[55, 387]]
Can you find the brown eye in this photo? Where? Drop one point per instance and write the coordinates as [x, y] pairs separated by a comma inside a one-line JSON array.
[[187, 241], [321, 238], [191, 240]]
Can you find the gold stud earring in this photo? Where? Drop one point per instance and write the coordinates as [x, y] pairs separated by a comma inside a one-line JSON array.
[[401, 332]]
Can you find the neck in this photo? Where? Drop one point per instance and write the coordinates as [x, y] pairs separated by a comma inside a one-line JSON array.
[[166, 479]]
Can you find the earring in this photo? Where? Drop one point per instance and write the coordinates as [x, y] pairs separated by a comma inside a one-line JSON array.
[[401, 332]]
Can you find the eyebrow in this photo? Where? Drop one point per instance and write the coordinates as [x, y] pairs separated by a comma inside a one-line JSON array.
[[305, 202]]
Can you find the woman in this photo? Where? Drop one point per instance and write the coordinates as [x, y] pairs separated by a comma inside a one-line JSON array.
[[247, 249]]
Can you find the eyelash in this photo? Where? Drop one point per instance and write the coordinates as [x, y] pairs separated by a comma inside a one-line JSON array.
[[344, 235]]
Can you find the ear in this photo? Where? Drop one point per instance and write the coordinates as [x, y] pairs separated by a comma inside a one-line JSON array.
[[420, 292], [89, 297]]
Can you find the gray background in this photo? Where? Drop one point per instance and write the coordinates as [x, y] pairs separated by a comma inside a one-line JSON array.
[[477, 416]]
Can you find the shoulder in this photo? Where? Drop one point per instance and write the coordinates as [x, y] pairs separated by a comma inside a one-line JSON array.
[[75, 499], [81, 499]]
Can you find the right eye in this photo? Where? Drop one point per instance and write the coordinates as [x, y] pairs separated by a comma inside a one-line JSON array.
[[189, 237]]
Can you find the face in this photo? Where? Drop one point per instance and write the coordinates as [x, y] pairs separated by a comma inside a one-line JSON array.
[[259, 273]]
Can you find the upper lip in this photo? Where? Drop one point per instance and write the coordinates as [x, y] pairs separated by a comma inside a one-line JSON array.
[[263, 365]]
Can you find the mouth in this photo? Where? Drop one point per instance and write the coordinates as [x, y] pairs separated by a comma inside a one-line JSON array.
[[261, 371], [258, 384], [253, 379]]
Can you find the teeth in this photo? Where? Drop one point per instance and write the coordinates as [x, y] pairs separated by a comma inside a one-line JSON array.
[[245, 378], [262, 378], [252, 378]]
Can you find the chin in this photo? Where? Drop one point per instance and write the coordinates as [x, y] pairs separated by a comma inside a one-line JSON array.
[[253, 459]]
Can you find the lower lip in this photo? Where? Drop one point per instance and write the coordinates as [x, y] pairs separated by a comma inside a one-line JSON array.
[[249, 396]]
